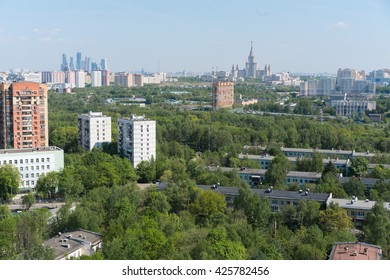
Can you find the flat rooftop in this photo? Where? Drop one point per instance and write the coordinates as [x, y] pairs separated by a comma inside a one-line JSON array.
[[293, 195], [29, 150], [364, 204], [254, 171], [292, 159], [355, 251], [70, 241]]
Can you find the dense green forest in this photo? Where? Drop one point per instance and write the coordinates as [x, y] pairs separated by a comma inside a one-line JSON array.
[[184, 222]]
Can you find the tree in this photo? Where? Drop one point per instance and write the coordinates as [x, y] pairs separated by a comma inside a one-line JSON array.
[[7, 238], [334, 219], [146, 171], [354, 187], [359, 166], [313, 164], [376, 226], [208, 204], [330, 168], [70, 184], [218, 246], [28, 200], [9, 181], [47, 184], [156, 201], [256, 209], [31, 230], [276, 174]]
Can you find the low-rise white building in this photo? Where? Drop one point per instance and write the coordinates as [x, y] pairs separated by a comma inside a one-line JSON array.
[[33, 162]]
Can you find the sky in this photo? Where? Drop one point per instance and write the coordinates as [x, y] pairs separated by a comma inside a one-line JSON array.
[[301, 36]]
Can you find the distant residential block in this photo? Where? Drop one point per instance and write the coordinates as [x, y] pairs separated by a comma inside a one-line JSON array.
[[23, 115], [94, 130], [137, 139], [223, 95]]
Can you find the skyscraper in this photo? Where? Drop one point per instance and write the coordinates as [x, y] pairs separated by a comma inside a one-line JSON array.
[[71, 64], [64, 65], [251, 65], [137, 139], [103, 64], [79, 65], [94, 66], [87, 64], [23, 115]]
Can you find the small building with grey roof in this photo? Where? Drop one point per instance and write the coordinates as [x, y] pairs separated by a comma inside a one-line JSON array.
[[73, 244]]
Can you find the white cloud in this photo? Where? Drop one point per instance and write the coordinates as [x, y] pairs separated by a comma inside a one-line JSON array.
[[339, 25], [46, 39], [48, 31]]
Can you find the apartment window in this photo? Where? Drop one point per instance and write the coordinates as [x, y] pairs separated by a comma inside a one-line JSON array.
[[32, 183], [26, 175], [47, 166], [42, 160], [21, 168], [37, 174], [15, 161], [26, 168], [4, 162], [37, 160], [32, 168], [42, 167], [37, 167], [32, 175], [47, 159]]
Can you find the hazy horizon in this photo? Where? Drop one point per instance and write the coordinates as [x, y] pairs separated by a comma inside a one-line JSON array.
[[295, 36]]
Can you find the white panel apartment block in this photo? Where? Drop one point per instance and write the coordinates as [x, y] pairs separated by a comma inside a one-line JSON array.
[[137, 139], [32, 163], [94, 130]]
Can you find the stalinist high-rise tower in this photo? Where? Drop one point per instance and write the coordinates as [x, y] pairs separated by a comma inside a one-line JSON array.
[[251, 65]]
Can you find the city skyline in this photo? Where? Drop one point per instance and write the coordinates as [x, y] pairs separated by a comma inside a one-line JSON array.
[[170, 36]]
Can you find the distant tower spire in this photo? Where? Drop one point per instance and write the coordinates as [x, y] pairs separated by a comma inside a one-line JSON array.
[[251, 65]]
